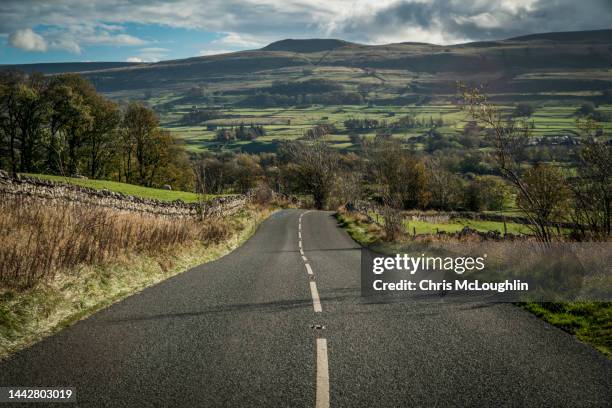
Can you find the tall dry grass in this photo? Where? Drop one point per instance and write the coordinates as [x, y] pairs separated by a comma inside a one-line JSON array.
[[38, 239]]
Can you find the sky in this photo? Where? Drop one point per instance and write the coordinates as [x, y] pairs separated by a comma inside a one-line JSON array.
[[34, 31]]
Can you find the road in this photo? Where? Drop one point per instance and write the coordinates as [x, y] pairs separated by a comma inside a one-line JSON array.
[[261, 328]]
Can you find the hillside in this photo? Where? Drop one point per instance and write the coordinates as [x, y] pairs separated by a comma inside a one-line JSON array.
[[531, 67], [62, 67], [305, 46]]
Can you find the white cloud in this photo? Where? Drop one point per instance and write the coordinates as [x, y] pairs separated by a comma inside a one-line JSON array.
[[240, 41], [150, 54], [214, 52], [106, 38], [65, 42], [27, 40]]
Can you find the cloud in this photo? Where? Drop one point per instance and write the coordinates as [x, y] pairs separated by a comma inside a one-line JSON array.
[[455, 21], [214, 52], [106, 38], [27, 40], [150, 54], [240, 41], [244, 24]]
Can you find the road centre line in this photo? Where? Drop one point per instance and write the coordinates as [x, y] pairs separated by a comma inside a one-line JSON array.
[[322, 400], [309, 269], [316, 302]]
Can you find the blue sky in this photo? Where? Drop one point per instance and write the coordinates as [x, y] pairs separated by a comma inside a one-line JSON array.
[[151, 43], [33, 31]]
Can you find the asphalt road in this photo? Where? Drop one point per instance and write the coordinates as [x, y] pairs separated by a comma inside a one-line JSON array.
[[247, 331]]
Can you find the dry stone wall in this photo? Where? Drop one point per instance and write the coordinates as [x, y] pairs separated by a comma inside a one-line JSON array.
[[30, 187]]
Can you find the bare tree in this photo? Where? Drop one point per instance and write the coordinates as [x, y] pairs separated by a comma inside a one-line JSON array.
[[592, 185], [316, 165], [509, 136]]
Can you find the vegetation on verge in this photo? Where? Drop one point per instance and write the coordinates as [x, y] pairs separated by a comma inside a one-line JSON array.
[[62, 263], [591, 322]]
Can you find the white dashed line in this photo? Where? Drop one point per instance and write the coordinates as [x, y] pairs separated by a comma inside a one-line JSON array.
[[322, 399], [316, 302], [322, 375], [309, 269]]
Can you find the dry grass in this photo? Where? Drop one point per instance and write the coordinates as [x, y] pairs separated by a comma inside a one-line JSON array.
[[62, 263], [39, 239]]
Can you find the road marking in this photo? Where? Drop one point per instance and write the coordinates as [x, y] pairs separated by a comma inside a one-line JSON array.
[[309, 269], [316, 302], [300, 243], [300, 234], [322, 375], [304, 258], [301, 252]]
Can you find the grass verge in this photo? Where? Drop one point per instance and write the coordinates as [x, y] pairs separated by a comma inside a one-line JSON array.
[[590, 322], [30, 314]]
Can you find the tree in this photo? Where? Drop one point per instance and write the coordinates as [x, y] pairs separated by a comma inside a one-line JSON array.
[[10, 82], [315, 165], [31, 114], [592, 186], [101, 137], [143, 142], [509, 137], [444, 187], [402, 177], [546, 200]]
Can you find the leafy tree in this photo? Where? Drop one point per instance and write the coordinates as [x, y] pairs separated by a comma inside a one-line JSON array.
[[546, 200], [314, 167], [402, 177], [101, 137], [31, 115], [10, 83]]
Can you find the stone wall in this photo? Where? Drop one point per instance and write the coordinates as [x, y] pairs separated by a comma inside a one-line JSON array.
[[23, 186]]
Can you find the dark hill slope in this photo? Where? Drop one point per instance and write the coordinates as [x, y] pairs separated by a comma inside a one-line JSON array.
[[62, 67], [306, 46]]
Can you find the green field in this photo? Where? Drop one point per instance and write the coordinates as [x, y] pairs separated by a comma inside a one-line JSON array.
[[291, 123], [124, 188], [457, 224]]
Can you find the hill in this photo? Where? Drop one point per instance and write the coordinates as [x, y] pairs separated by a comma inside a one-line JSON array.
[[63, 67], [561, 65], [313, 45]]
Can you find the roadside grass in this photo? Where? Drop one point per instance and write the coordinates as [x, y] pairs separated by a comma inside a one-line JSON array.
[[590, 322], [361, 232], [124, 188], [58, 299]]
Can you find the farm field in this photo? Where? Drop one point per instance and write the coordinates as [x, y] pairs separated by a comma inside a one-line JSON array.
[[291, 123]]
